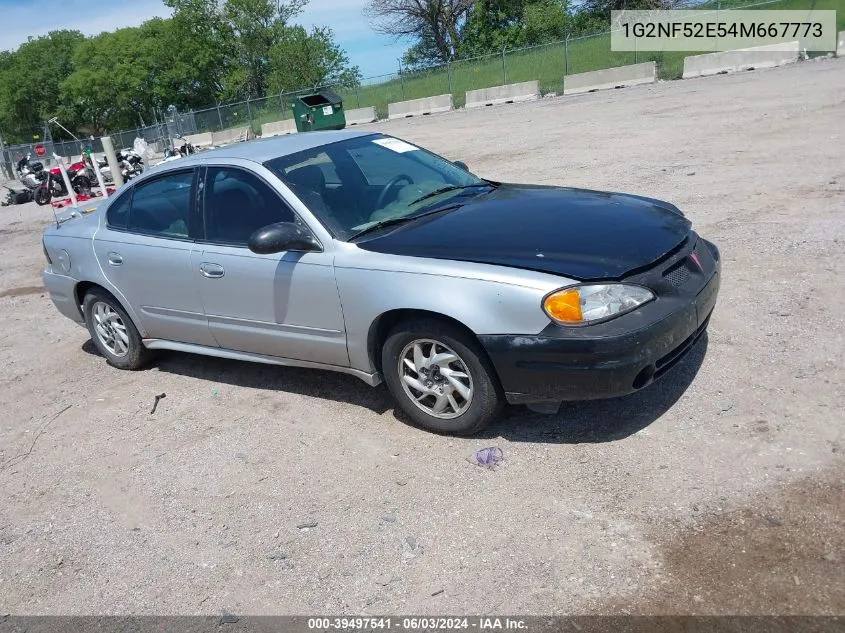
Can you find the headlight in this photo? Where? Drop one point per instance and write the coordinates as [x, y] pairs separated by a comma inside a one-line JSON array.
[[597, 302]]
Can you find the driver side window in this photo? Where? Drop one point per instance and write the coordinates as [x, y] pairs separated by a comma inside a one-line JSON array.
[[238, 203]]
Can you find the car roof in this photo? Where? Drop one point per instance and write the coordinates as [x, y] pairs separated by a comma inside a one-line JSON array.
[[262, 150]]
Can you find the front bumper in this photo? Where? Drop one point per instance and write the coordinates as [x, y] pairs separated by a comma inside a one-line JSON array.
[[620, 356]]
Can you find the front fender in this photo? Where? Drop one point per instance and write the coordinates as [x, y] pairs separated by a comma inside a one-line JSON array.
[[486, 299]]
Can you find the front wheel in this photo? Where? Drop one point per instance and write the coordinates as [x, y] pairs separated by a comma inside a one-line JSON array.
[[440, 377], [43, 195]]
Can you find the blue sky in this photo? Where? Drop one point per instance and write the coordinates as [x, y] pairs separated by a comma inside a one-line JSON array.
[[374, 54]]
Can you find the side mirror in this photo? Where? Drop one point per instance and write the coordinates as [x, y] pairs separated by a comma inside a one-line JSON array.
[[282, 236], [461, 164]]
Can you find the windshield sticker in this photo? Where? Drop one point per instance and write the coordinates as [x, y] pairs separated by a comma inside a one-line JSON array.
[[400, 147]]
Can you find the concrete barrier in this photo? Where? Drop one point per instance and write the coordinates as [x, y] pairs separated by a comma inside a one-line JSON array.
[[232, 135], [360, 116], [277, 128], [632, 75], [419, 107], [197, 140], [511, 93], [840, 44], [741, 59]]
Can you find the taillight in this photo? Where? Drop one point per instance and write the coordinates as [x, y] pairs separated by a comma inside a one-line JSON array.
[[46, 254]]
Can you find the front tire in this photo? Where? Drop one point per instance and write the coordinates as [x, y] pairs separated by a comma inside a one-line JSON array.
[[112, 331], [440, 378], [43, 195]]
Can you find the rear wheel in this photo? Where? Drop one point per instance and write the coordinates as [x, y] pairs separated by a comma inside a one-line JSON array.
[[82, 185], [440, 377], [112, 331]]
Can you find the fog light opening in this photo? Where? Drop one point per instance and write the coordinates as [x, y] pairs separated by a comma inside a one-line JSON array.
[[644, 377]]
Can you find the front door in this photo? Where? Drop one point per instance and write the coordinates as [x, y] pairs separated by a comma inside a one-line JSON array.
[[144, 250], [285, 304]]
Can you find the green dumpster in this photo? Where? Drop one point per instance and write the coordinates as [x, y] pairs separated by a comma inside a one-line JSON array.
[[321, 110]]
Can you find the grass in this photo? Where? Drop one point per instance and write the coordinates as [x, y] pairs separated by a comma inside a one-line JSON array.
[[548, 64]]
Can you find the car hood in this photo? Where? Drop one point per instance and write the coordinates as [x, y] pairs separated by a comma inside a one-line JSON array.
[[578, 233]]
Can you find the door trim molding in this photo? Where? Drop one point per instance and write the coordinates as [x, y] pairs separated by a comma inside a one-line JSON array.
[[372, 379]]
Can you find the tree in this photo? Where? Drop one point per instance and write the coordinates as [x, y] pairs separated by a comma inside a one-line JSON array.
[[258, 26], [209, 50], [434, 24], [602, 8], [545, 21], [493, 25], [30, 79], [303, 59], [207, 42], [111, 84]]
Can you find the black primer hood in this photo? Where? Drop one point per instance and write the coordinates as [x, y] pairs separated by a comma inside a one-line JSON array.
[[577, 233]]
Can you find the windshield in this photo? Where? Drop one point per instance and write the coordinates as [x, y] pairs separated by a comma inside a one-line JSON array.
[[353, 185]]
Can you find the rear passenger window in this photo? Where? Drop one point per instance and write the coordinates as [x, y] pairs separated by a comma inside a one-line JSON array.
[[162, 207], [118, 211]]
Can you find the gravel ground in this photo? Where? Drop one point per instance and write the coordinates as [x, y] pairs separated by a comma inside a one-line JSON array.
[[717, 490]]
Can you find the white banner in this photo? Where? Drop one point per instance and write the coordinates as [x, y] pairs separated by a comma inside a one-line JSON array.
[[714, 30]]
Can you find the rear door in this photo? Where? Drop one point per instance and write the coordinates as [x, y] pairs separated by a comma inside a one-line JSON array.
[[145, 252], [284, 304]]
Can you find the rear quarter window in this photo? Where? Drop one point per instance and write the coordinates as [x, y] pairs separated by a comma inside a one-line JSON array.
[[118, 212]]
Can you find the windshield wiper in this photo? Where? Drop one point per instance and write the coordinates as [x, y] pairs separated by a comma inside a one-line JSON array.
[[437, 192], [383, 223], [401, 220]]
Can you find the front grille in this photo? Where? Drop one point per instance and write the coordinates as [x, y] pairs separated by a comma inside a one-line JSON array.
[[678, 275]]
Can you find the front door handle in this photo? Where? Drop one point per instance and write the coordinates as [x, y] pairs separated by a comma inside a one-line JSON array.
[[115, 259], [212, 271]]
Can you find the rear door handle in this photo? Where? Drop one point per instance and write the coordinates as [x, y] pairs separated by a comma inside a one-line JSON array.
[[212, 271], [115, 259]]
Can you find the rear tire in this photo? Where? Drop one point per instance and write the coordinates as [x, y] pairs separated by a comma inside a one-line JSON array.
[[82, 185], [440, 377], [112, 331]]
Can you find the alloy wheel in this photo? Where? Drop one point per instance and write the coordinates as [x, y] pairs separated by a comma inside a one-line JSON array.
[[110, 329], [435, 378]]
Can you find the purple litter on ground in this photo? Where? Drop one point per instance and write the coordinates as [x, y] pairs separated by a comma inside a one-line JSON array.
[[489, 456]]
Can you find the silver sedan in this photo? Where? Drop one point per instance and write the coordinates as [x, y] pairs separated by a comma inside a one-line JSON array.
[[362, 253]]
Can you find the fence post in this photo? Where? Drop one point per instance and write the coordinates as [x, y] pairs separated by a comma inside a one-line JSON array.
[[249, 113], [504, 68], [402, 79], [219, 116], [111, 159], [357, 97], [566, 54], [449, 75]]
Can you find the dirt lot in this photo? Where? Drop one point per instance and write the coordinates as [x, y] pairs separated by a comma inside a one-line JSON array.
[[720, 489]]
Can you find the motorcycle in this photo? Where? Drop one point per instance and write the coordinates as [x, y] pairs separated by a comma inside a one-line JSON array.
[[131, 165], [54, 185], [30, 175], [186, 149], [16, 196]]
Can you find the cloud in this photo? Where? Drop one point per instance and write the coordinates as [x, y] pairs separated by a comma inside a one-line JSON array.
[[22, 19], [375, 54]]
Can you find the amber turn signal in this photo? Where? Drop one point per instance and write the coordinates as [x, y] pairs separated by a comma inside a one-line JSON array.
[[565, 306]]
